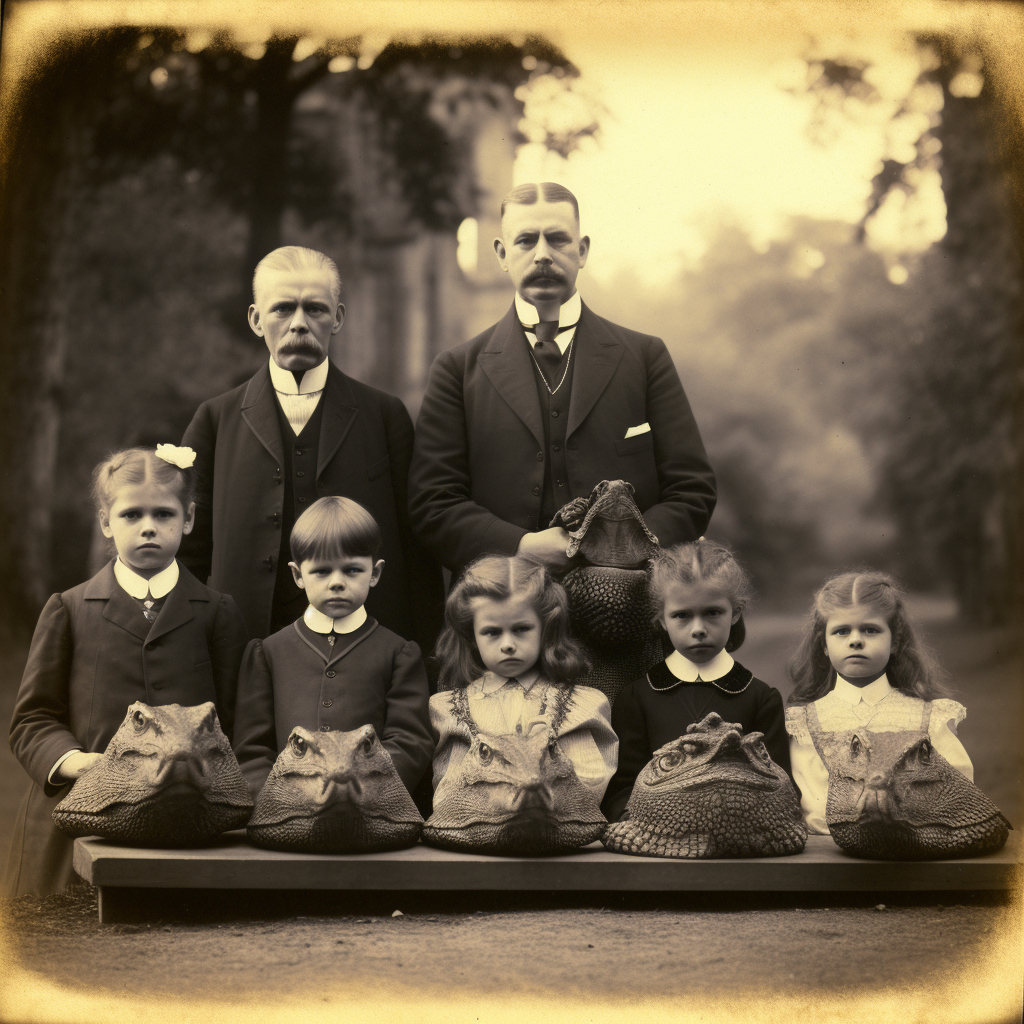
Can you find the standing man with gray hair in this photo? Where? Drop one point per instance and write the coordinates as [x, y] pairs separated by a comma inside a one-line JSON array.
[[298, 430], [545, 404]]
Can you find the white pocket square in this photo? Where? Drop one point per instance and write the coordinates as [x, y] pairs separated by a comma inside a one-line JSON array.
[[644, 428]]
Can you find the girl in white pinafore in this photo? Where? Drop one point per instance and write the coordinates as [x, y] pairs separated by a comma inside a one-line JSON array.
[[861, 664]]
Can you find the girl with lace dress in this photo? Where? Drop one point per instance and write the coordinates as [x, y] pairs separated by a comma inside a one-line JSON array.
[[507, 663], [861, 664]]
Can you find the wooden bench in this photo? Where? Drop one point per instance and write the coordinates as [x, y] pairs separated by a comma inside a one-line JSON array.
[[232, 863]]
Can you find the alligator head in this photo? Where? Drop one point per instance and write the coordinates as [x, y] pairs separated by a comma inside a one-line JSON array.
[[892, 796], [334, 792], [515, 795], [607, 529], [167, 778]]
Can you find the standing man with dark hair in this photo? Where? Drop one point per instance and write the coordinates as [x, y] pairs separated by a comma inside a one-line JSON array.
[[545, 404], [298, 430]]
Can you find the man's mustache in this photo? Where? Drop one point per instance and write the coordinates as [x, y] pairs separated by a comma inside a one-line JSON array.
[[544, 275], [300, 346]]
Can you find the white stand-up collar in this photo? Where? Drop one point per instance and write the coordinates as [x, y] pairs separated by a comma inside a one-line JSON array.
[[139, 587], [689, 671], [320, 623], [870, 694], [312, 380], [568, 314]]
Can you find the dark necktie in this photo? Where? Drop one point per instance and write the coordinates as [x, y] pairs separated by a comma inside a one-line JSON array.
[[549, 356]]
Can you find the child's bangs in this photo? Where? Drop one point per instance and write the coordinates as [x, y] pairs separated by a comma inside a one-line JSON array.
[[333, 528]]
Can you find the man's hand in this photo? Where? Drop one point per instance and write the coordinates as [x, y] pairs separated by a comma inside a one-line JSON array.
[[77, 764], [547, 546]]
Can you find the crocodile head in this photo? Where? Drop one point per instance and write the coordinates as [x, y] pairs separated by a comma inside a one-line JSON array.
[[712, 792], [607, 529], [891, 795], [514, 794], [167, 778], [334, 792]]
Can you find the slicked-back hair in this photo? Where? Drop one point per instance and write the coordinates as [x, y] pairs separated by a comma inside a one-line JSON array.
[[527, 195], [133, 466], [703, 561], [295, 257], [912, 667], [497, 578], [333, 527]]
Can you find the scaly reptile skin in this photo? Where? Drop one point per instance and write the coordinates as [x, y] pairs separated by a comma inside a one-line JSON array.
[[515, 796], [711, 793], [168, 778], [892, 796], [334, 792], [608, 584]]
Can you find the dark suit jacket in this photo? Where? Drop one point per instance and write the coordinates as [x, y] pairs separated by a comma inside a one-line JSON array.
[[478, 467], [364, 451], [93, 654], [371, 677]]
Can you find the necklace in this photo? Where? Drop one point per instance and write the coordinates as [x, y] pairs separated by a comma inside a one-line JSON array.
[[541, 372]]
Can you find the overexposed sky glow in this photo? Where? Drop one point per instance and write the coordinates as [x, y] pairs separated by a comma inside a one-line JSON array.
[[689, 137]]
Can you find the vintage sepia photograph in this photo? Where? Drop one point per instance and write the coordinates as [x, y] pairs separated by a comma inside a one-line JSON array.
[[513, 510]]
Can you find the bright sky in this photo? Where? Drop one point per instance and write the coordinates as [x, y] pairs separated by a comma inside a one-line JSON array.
[[695, 126], [693, 134]]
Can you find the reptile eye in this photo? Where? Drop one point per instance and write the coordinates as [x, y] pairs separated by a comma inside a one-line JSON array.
[[669, 761], [855, 746], [366, 746], [486, 754], [925, 753], [299, 746], [138, 720]]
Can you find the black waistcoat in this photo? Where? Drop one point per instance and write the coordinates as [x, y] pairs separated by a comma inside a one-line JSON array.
[[555, 415], [300, 455]]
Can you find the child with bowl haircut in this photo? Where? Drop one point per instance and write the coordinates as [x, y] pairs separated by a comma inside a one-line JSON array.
[[336, 668]]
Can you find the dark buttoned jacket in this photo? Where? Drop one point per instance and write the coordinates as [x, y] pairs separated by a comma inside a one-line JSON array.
[[93, 654], [478, 467], [370, 677], [364, 450]]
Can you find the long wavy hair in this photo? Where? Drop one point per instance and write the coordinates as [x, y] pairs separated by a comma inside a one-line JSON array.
[[702, 561], [499, 577], [912, 667]]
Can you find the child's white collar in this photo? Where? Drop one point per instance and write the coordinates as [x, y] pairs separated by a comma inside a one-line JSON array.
[[870, 694], [491, 682], [312, 380], [689, 671], [320, 623], [139, 587]]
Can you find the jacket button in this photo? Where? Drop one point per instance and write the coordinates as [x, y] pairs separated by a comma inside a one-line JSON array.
[[536, 490], [298, 451], [328, 702], [302, 500], [300, 473], [555, 448], [554, 412], [540, 456], [325, 728], [269, 563], [330, 673]]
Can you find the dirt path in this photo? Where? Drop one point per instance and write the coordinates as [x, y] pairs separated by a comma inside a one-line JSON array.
[[680, 955]]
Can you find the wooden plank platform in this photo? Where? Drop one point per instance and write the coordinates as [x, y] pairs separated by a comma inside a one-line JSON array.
[[231, 863]]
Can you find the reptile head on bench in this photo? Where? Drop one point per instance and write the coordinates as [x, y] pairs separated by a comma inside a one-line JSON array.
[[167, 778], [514, 795], [334, 792], [711, 793], [892, 796]]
